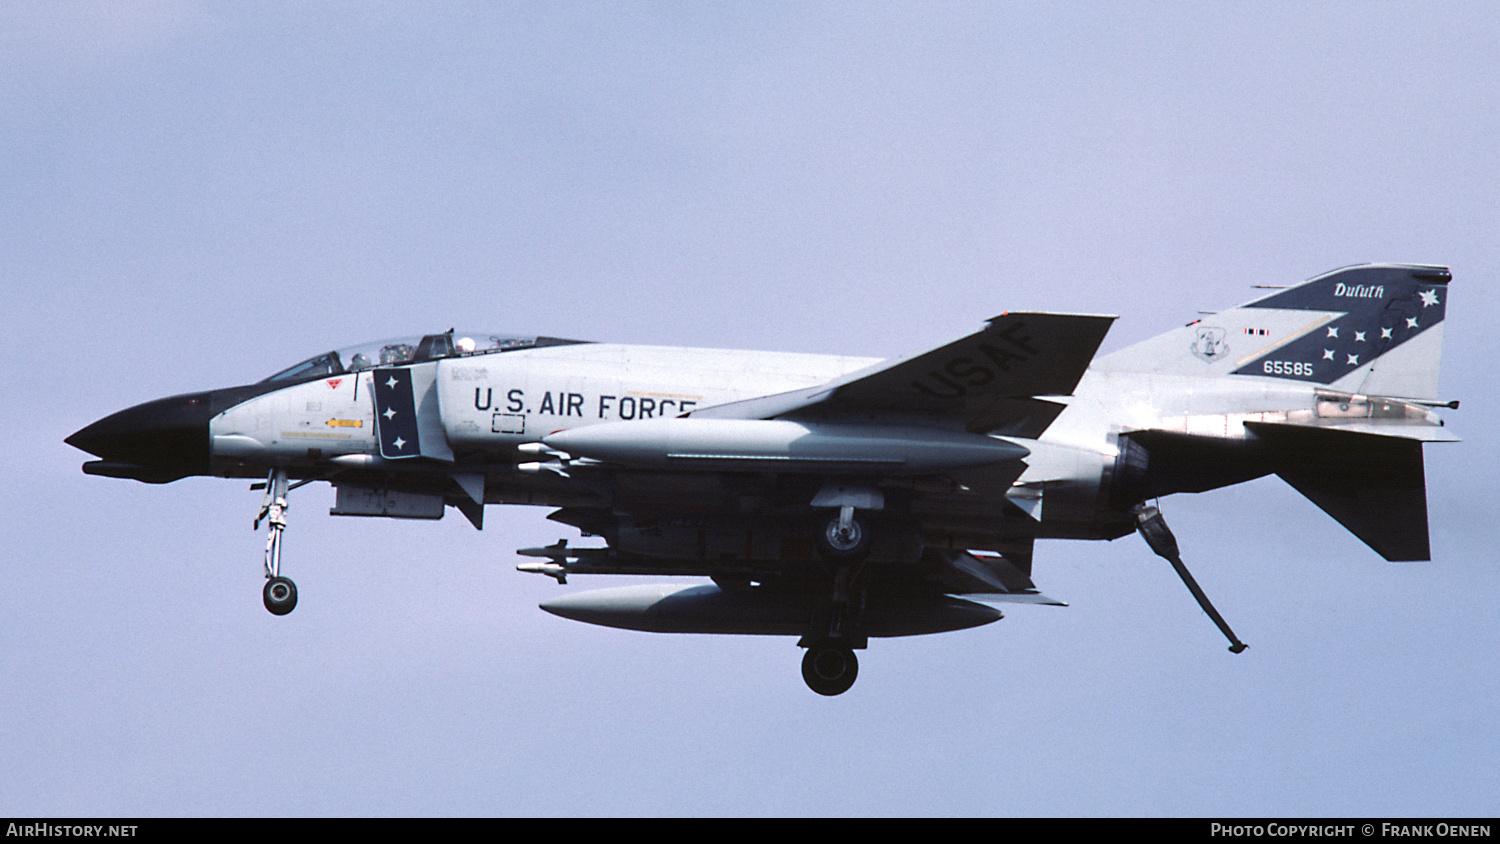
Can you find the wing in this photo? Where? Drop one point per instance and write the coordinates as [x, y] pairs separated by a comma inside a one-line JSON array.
[[989, 380]]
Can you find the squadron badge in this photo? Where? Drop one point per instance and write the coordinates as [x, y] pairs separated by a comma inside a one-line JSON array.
[[1210, 345]]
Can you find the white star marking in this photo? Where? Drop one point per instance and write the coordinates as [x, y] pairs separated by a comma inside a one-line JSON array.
[[1353, 360], [1429, 297], [1359, 337], [1328, 354], [1411, 322], [392, 383], [1385, 334], [390, 414], [1333, 332], [399, 443]]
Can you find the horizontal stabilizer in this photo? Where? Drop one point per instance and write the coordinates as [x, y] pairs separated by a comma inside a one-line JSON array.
[[1372, 485]]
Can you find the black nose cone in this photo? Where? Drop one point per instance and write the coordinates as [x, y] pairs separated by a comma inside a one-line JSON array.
[[157, 441]]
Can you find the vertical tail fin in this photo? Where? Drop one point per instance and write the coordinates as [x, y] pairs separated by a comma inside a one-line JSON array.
[[1375, 329], [1372, 336]]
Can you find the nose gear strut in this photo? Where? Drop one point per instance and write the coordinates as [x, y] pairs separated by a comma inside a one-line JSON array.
[[280, 593]]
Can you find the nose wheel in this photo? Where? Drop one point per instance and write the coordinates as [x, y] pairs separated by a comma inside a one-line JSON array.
[[280, 595]]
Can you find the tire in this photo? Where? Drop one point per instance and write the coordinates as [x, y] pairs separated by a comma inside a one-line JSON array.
[[280, 595], [829, 669]]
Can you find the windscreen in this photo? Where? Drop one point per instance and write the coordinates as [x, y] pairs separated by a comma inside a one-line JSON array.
[[401, 350]]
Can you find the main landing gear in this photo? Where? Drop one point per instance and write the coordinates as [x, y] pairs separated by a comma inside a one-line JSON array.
[[280, 594], [829, 667]]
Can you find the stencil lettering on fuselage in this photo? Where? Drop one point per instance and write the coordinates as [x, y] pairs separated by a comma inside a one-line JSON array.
[[603, 407]]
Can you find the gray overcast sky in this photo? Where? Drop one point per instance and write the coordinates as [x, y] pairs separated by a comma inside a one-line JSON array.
[[199, 194]]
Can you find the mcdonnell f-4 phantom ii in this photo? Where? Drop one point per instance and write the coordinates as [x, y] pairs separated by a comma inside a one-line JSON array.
[[839, 498]]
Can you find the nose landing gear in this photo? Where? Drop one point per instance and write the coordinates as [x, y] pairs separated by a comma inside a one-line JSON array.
[[280, 593]]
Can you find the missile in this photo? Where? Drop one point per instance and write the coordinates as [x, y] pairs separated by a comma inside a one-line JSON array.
[[757, 445], [758, 610]]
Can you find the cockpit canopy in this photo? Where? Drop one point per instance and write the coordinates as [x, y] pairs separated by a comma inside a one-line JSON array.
[[449, 344]]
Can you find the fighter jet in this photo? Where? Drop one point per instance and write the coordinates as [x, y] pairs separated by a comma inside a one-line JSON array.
[[838, 499]]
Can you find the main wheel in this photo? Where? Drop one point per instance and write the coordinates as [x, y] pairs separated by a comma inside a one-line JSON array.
[[280, 595], [829, 669], [841, 546]]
